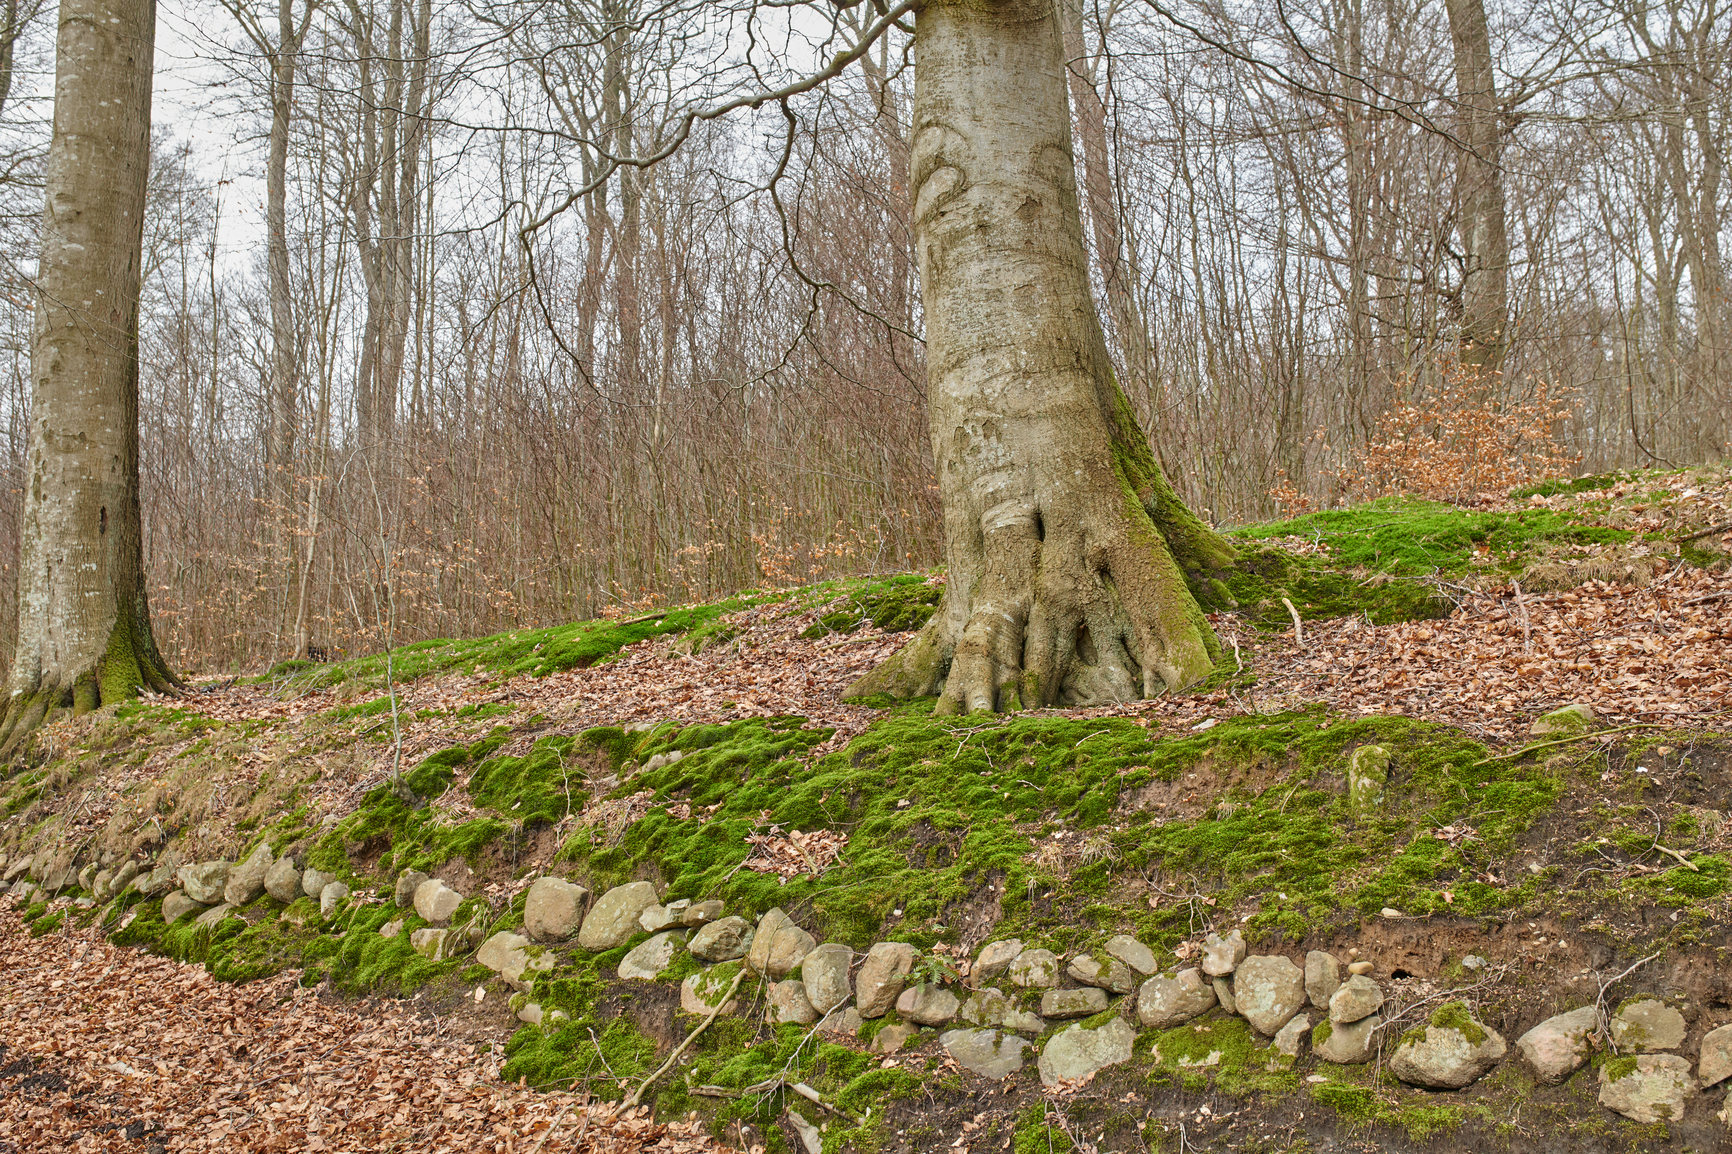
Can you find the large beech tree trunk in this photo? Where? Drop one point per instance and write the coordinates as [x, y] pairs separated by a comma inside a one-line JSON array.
[[83, 622], [1485, 241], [1067, 549]]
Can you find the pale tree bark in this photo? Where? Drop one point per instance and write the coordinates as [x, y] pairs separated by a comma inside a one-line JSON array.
[[84, 635], [1483, 336], [1068, 552]]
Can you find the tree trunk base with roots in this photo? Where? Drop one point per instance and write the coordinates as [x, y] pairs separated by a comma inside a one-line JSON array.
[[1067, 549]]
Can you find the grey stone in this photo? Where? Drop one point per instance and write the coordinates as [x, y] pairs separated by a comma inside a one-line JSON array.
[[994, 958], [1358, 997], [1367, 776], [1077, 1052], [1359, 967], [553, 909], [333, 895], [989, 1053], [391, 928], [927, 1004], [1571, 719], [160, 878], [1322, 977], [87, 876], [613, 919], [435, 901], [214, 916], [825, 973], [1714, 1061], [247, 880], [530, 1012], [1268, 989], [100, 883], [1222, 955], [811, 1138], [788, 1003], [407, 883], [1165, 1002], [658, 917], [1647, 1025], [1647, 1087], [1132, 953], [1034, 969], [1079, 1003], [177, 905], [1290, 1039], [1447, 1057], [514, 958], [778, 945], [283, 881], [204, 881], [313, 882], [1224, 994], [1347, 1045], [990, 1007], [703, 991], [699, 913], [124, 875], [83, 903], [893, 1037], [430, 942], [722, 941], [1560, 1045], [882, 977], [649, 958], [1111, 975], [843, 1021]]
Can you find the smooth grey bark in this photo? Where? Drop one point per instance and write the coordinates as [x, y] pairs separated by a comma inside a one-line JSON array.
[[1485, 243], [1067, 550], [84, 633]]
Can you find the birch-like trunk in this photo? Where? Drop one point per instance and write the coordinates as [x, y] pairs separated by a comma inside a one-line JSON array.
[[1067, 549], [84, 634]]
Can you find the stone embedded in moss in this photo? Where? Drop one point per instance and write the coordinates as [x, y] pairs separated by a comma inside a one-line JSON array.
[[1566, 722], [1222, 954], [1079, 1051], [613, 920], [778, 945], [1132, 953], [1165, 1002], [1110, 974], [1560, 1045], [553, 909], [789, 1004], [1647, 1087], [204, 882], [407, 883], [703, 991], [1346, 1045], [1267, 991], [651, 956], [1452, 1050], [927, 1004], [1367, 776], [723, 940], [989, 1053], [883, 976], [1034, 969], [1647, 1024], [995, 958], [246, 879], [177, 905], [1083, 1002]]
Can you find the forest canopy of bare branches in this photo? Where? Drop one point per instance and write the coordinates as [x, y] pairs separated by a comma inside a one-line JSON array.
[[474, 384]]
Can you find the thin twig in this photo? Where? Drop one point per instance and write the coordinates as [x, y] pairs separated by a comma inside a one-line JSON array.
[[1298, 629], [715, 1011], [1708, 532]]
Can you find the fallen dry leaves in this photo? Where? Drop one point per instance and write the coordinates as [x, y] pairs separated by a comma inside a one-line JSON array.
[[105, 1048]]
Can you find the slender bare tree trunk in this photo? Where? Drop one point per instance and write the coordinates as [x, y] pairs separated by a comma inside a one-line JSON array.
[[280, 425], [1479, 167], [1067, 549], [83, 619]]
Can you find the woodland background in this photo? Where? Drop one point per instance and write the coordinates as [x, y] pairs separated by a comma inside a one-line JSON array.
[[707, 374]]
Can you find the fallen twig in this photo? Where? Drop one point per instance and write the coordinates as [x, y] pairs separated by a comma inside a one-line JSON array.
[[1298, 629], [1708, 532], [636, 1095]]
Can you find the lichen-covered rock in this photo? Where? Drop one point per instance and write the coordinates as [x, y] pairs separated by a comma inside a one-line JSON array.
[[1034, 969], [649, 958], [1268, 990], [1565, 722], [1322, 977], [1648, 1025], [725, 940], [927, 1004], [612, 921], [246, 881], [989, 1053], [1714, 1061], [1078, 1052], [994, 959], [313, 882], [788, 1003], [1078, 1003], [283, 881], [333, 895], [430, 942], [391, 928], [825, 974], [1112, 974], [553, 909], [160, 878], [703, 991], [1560, 1045], [778, 945], [1290, 1039], [701, 913], [1222, 955], [1345, 1045], [1358, 997], [1647, 1087], [1132, 953], [203, 882], [407, 883], [660, 917], [435, 901], [990, 1007], [176, 906], [1165, 1002], [1367, 776], [882, 977], [214, 916], [1452, 1049], [514, 958], [893, 1037], [843, 1021]]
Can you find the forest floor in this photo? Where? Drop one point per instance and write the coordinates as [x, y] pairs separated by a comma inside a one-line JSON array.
[[1437, 632]]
